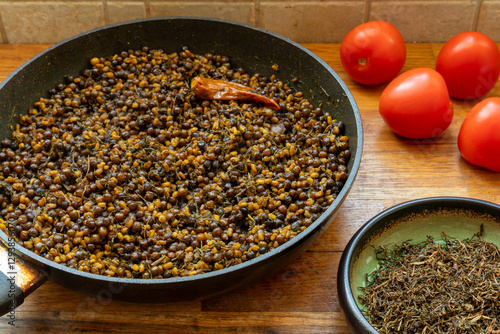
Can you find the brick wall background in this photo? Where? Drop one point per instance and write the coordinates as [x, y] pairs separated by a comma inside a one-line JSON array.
[[304, 21]]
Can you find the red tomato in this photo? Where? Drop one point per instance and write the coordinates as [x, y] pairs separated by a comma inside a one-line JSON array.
[[479, 136], [416, 104], [470, 65], [373, 52]]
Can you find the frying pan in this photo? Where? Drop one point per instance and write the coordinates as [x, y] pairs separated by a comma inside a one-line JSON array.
[[252, 48]]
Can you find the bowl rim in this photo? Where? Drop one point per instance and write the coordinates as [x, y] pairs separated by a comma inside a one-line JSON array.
[[350, 310], [291, 244]]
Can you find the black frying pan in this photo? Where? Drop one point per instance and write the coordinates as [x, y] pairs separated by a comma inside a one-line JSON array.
[[249, 47]]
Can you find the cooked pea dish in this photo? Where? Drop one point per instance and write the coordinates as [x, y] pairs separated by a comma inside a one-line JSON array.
[[155, 165]]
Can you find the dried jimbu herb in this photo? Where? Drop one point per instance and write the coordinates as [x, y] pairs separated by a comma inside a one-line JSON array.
[[123, 171], [434, 287]]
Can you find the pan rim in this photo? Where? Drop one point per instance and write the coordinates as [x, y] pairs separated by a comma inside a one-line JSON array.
[[325, 219]]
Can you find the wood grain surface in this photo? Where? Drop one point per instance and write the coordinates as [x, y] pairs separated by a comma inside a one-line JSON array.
[[301, 298]]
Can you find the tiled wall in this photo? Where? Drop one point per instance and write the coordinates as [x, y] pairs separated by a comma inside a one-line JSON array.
[[50, 21]]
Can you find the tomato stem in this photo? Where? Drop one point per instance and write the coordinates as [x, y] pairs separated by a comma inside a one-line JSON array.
[[362, 61]]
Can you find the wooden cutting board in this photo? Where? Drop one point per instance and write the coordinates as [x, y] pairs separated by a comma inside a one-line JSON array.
[[301, 298]]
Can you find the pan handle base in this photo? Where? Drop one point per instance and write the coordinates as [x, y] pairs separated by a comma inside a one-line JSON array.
[[18, 278], [11, 295]]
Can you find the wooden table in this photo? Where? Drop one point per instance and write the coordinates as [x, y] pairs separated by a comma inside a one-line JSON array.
[[301, 298]]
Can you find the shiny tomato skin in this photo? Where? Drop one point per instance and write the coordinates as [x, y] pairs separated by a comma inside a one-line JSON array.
[[373, 52], [479, 136], [470, 64], [416, 104]]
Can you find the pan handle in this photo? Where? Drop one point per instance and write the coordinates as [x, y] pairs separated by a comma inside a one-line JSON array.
[[18, 278]]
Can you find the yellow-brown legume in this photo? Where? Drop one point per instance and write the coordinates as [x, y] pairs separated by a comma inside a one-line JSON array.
[[123, 172]]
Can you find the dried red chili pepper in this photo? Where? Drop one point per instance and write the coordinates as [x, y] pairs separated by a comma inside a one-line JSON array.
[[204, 88]]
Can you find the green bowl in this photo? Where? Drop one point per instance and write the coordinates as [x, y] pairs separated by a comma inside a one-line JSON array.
[[415, 220]]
